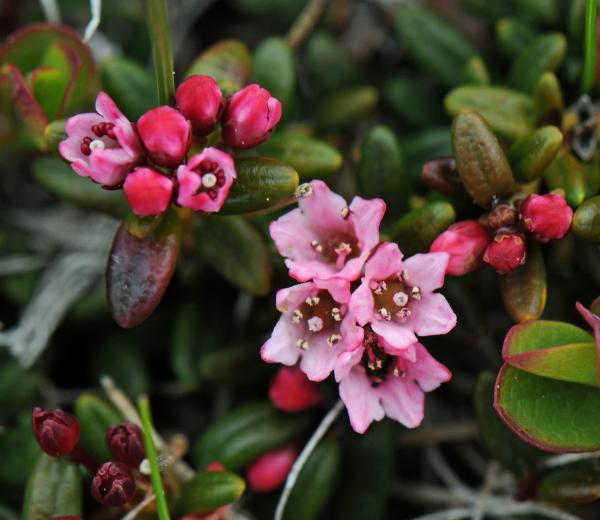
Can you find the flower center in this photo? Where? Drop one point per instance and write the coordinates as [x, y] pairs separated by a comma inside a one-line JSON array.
[[337, 249], [318, 313], [392, 297], [212, 177], [101, 130], [377, 363]]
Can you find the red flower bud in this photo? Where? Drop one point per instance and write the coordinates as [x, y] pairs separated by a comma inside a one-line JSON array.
[[250, 116], [125, 443], [465, 242], [270, 470], [200, 100], [148, 191], [292, 391], [166, 134], [546, 217], [113, 484], [506, 252], [56, 431]]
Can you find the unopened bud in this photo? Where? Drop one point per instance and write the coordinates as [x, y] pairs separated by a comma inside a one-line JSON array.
[[270, 470], [56, 431], [546, 217], [506, 252], [292, 391], [125, 443], [113, 484]]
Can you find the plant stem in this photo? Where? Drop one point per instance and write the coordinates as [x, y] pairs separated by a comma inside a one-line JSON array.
[[589, 66], [162, 507], [305, 23], [303, 457], [158, 26]]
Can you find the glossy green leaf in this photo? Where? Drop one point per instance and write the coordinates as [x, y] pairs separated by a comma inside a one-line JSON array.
[[237, 251], [475, 72], [416, 230], [262, 183], [315, 483], [310, 157], [273, 68], [140, 269], [60, 180], [55, 133], [509, 113], [381, 171], [586, 221], [130, 85], [209, 490], [414, 102], [548, 101], [53, 489], [48, 86], [446, 51], [545, 54], [185, 341], [530, 155], [570, 485], [552, 415], [229, 62], [513, 35], [524, 289], [480, 160], [95, 415], [345, 107], [329, 63], [566, 173], [247, 432]]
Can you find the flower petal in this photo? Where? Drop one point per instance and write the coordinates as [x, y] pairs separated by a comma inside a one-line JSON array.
[[281, 347], [397, 335], [427, 270], [339, 288], [361, 400], [366, 216], [346, 361], [319, 360], [362, 303], [323, 210], [432, 315], [385, 263], [403, 401], [427, 371]]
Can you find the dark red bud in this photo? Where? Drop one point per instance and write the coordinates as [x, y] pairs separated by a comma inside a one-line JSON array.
[[506, 252], [292, 391], [113, 484], [125, 443], [440, 174], [56, 431]]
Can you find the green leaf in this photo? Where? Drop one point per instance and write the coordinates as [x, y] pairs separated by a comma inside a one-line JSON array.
[[424, 146], [446, 50], [19, 389], [527, 337], [586, 221], [18, 451], [209, 490], [130, 85], [475, 72], [95, 415], [247, 432], [524, 289], [185, 342], [229, 62], [507, 448], [416, 230], [548, 101], [509, 113], [545, 54], [381, 171], [344, 108], [235, 364], [55, 133], [310, 157], [237, 251], [480, 160], [513, 35], [53, 489], [552, 415], [566, 173], [274, 69], [570, 486], [262, 184], [162, 56], [60, 180], [530, 155], [48, 86], [140, 269], [315, 483]]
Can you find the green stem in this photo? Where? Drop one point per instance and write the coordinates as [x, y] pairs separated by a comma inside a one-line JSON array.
[[589, 66], [158, 25], [162, 506]]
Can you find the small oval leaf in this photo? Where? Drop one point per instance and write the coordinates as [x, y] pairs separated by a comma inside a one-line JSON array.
[[95, 415], [566, 173], [529, 156], [586, 221], [209, 490]]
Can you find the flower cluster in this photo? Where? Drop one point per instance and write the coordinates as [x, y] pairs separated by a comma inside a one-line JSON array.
[[149, 159], [359, 308], [498, 238]]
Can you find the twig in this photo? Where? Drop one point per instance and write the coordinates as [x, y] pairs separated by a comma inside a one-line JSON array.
[[139, 507], [568, 458], [488, 485], [453, 514], [94, 23], [18, 264], [303, 457], [451, 432], [51, 11], [305, 23]]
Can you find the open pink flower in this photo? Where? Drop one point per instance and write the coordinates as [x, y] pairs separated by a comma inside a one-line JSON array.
[[325, 237], [105, 146], [376, 379], [396, 296], [315, 326], [204, 182]]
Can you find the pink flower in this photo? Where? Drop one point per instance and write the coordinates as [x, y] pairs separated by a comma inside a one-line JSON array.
[[546, 217], [291, 391], [104, 146], [148, 191], [270, 470], [377, 379], [204, 182], [506, 252], [250, 116], [396, 296], [324, 237], [166, 134], [315, 327], [200, 100], [465, 242]]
